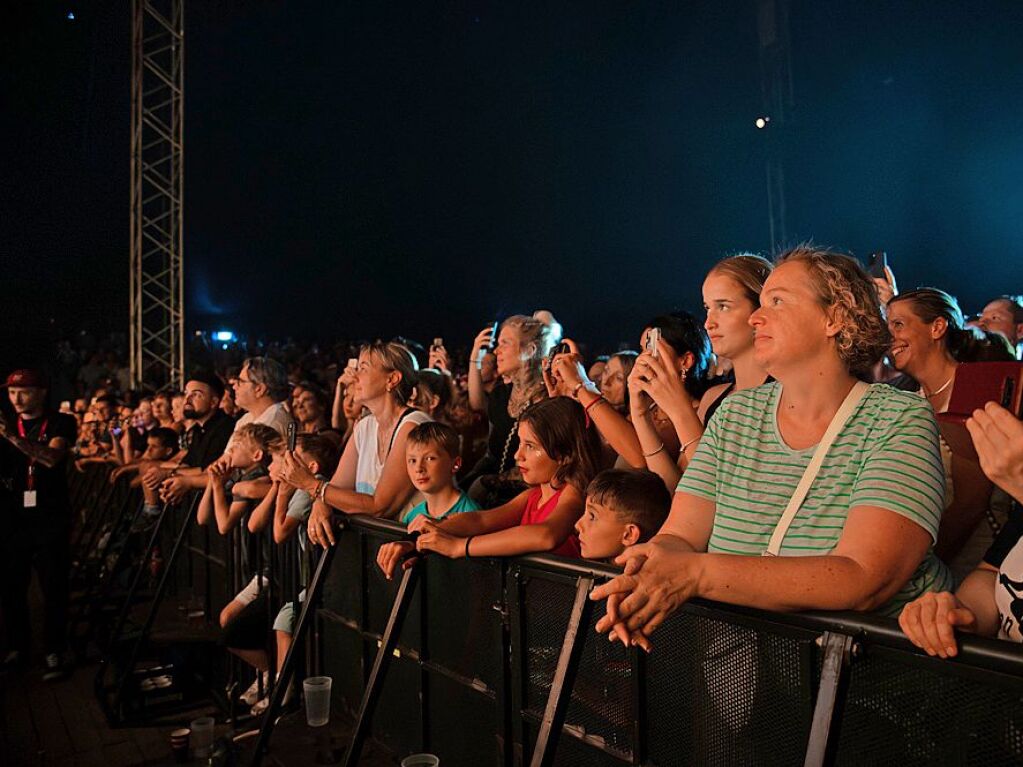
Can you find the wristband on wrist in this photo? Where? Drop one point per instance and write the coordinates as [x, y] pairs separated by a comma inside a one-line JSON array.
[[321, 491], [467, 540], [655, 452]]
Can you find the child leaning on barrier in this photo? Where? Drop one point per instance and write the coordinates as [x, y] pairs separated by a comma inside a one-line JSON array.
[[623, 507], [432, 460], [559, 453], [244, 618], [289, 509], [248, 458]]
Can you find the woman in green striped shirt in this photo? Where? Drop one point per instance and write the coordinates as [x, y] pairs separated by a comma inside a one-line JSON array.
[[863, 537]]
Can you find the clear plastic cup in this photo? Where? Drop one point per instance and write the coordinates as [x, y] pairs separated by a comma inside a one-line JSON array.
[[317, 700], [420, 760], [202, 736]]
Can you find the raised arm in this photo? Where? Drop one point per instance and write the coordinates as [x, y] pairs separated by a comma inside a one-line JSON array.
[[477, 396]]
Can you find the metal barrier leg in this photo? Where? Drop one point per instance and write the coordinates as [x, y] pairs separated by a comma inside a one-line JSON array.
[[822, 748], [161, 588], [564, 676], [375, 683], [305, 618]]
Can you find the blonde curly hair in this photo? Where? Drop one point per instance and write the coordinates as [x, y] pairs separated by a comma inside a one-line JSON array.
[[849, 297]]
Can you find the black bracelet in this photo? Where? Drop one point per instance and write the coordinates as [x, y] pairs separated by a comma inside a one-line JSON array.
[[467, 554]]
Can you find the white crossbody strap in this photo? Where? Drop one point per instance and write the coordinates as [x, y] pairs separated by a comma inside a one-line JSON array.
[[852, 399]]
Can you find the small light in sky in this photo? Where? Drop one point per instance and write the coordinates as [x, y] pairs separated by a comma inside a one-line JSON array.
[[70, 15], [762, 122]]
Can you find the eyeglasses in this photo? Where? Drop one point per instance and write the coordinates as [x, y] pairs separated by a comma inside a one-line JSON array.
[[239, 380]]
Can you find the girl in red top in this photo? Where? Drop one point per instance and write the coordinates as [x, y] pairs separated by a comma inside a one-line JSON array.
[[558, 455]]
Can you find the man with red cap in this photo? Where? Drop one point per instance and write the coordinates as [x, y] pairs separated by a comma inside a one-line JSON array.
[[36, 510]]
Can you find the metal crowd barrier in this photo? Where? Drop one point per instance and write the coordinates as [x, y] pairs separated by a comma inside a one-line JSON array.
[[497, 662]]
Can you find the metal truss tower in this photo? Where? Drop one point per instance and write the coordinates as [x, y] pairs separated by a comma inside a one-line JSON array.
[[157, 333], [776, 90]]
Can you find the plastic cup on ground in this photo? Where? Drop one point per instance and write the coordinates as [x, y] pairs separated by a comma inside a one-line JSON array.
[[179, 744], [317, 700], [202, 736], [420, 760]]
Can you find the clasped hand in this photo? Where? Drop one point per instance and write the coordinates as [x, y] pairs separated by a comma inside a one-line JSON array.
[[658, 578]]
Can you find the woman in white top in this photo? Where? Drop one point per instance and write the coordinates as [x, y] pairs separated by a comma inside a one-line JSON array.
[[371, 477]]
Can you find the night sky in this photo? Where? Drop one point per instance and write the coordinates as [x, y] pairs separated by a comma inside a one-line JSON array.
[[368, 169]]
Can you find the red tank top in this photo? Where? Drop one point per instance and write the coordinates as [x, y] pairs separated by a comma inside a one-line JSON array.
[[534, 514]]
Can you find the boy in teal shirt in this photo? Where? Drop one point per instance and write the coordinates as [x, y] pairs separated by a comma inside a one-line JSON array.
[[432, 458]]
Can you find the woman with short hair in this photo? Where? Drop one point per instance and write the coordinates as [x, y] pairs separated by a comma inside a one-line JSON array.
[[861, 538]]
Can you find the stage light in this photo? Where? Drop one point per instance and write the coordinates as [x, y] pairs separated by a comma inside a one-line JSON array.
[[762, 122], [70, 16], [224, 335]]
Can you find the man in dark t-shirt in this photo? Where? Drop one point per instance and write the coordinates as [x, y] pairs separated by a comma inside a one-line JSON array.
[[207, 438], [36, 509]]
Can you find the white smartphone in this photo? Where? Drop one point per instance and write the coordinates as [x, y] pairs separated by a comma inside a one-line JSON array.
[[651, 341]]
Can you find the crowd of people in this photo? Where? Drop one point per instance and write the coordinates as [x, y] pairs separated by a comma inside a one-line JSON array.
[[784, 450]]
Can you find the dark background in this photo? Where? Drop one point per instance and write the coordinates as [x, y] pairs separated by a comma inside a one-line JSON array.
[[367, 169]]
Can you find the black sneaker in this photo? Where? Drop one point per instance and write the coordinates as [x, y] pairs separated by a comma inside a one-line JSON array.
[[54, 668]]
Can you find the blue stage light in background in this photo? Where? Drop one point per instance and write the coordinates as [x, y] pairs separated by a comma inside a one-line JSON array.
[[224, 335], [70, 16]]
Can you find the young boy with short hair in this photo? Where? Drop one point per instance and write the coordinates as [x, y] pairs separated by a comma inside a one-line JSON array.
[[244, 618], [290, 508], [249, 458], [623, 507], [432, 459]]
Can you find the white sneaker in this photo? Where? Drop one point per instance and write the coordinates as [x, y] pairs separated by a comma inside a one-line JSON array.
[[251, 695], [263, 704]]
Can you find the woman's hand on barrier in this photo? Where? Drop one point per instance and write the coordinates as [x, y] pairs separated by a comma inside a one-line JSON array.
[[320, 526], [660, 577], [618, 631], [998, 437], [393, 554], [931, 619], [297, 474], [432, 538]]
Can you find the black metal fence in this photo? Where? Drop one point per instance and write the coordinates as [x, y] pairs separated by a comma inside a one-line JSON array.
[[496, 661], [476, 662]]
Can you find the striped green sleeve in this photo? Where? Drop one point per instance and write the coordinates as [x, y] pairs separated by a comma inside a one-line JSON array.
[[902, 472]]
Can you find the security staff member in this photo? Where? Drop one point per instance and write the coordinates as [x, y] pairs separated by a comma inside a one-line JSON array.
[[36, 512]]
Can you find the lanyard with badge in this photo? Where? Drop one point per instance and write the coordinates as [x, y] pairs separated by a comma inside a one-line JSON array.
[[30, 500]]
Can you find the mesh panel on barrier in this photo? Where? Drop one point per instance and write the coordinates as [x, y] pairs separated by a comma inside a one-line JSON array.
[[463, 628], [546, 606], [342, 590], [602, 700], [380, 594], [721, 694], [571, 752], [462, 723], [915, 715], [396, 721], [342, 661], [602, 703]]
